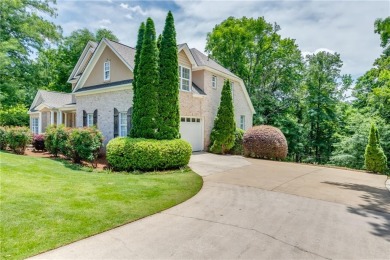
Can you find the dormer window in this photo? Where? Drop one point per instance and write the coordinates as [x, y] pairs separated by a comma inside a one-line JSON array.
[[107, 70], [184, 77]]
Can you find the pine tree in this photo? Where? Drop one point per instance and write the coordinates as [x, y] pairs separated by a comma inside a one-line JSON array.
[[222, 135], [137, 58], [375, 158], [159, 42], [168, 90], [145, 112]]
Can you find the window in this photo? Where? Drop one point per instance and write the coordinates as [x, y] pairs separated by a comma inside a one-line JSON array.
[[34, 126], [107, 70], [184, 77], [90, 119], [242, 122], [123, 124], [214, 81]]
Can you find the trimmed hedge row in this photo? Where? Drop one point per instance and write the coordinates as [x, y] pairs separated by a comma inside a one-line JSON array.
[[127, 154]]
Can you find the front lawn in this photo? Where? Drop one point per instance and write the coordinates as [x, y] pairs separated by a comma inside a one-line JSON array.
[[46, 203]]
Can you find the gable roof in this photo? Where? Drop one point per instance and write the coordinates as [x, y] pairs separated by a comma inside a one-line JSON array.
[[126, 52], [90, 47], [51, 99], [203, 60]]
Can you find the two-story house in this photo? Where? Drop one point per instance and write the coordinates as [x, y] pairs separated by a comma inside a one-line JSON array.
[[102, 94]]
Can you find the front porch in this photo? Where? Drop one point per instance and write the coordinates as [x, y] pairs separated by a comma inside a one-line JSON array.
[[45, 117]]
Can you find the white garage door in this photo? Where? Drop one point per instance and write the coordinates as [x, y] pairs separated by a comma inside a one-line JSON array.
[[191, 130]]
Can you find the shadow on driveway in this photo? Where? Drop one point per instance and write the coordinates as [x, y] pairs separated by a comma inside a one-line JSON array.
[[377, 206]]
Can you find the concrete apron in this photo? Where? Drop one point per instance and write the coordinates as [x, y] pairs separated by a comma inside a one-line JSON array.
[[257, 209]]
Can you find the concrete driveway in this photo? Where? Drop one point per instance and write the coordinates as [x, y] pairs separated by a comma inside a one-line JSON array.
[[257, 209]]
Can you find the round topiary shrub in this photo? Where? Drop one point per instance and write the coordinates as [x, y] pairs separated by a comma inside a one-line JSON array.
[[127, 154], [266, 142]]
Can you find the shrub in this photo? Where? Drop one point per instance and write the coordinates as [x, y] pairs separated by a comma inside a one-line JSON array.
[[14, 116], [3, 138], [222, 135], [39, 141], [375, 158], [18, 138], [238, 139], [126, 154], [56, 139], [84, 144], [266, 142]]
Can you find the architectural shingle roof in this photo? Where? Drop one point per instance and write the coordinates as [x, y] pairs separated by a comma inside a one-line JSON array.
[[105, 85], [126, 52], [52, 99], [203, 60]]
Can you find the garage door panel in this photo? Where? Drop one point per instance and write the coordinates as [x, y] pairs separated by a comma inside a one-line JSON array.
[[191, 130]]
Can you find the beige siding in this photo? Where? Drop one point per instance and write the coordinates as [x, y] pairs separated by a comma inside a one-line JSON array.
[[198, 78], [183, 60], [119, 71], [241, 106]]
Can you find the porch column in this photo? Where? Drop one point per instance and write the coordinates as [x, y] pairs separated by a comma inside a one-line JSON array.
[[66, 121], [59, 117], [51, 117], [40, 123]]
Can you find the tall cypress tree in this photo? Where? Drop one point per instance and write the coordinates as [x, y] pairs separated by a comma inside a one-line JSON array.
[[168, 90], [145, 112], [374, 158], [137, 58], [222, 135]]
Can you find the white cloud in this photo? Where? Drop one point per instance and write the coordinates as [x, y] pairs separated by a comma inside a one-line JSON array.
[[304, 53], [129, 16], [133, 9]]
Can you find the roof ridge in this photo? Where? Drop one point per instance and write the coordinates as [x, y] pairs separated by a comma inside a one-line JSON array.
[[120, 43]]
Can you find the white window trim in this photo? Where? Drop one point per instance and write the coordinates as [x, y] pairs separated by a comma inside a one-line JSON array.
[[88, 117], [35, 127], [214, 82], [120, 123], [109, 70], [180, 78], [242, 122]]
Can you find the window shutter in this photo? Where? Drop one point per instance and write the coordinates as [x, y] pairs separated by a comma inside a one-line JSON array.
[[95, 117], [84, 118], [129, 116], [116, 122]]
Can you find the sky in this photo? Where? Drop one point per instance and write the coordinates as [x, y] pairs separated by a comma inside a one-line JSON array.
[[345, 27]]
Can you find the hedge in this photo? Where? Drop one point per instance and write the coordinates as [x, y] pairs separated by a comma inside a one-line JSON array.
[[127, 154], [18, 138]]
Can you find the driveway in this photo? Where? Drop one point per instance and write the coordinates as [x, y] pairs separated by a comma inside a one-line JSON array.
[[257, 209]]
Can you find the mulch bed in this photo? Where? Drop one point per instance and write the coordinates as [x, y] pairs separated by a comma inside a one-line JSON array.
[[101, 162]]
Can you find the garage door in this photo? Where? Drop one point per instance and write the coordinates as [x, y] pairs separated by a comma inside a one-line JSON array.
[[191, 130]]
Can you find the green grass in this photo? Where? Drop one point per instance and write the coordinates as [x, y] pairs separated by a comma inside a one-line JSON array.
[[47, 203]]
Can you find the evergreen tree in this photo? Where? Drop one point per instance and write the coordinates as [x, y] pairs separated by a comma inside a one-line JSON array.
[[159, 40], [168, 91], [222, 135], [145, 110], [375, 159], [137, 58]]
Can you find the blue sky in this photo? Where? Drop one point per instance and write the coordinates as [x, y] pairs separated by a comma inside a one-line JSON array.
[[346, 27]]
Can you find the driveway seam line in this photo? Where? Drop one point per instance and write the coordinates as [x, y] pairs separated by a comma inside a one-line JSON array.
[[317, 170], [250, 229], [300, 196]]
